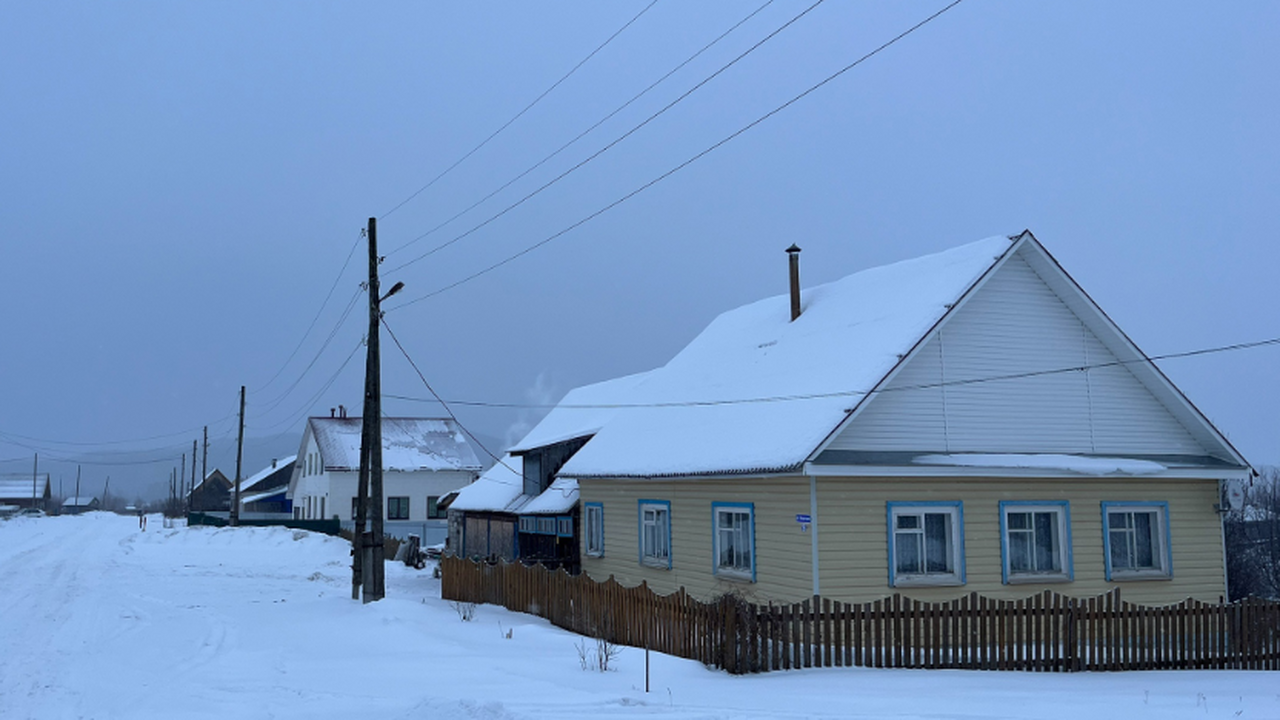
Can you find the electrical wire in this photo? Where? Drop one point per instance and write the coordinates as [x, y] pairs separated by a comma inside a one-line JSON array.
[[584, 133], [440, 400], [681, 166], [314, 320], [306, 407], [518, 115], [272, 404], [858, 393], [613, 143]]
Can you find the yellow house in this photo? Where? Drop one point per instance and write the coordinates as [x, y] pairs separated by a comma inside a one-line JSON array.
[[966, 421]]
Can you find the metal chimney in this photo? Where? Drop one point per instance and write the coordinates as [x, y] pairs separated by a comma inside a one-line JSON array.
[[793, 260]]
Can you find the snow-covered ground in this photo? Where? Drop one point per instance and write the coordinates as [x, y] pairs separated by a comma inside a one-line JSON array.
[[99, 620]]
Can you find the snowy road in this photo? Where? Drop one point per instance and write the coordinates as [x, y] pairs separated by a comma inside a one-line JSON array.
[[99, 620]]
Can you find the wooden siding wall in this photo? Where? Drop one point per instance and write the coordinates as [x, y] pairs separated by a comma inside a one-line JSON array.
[[853, 556], [1042, 632], [780, 545], [853, 545], [1016, 324]]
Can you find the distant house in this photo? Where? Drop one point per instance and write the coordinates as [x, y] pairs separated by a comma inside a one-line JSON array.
[[518, 509], [423, 459], [966, 421], [77, 505], [212, 494], [24, 491], [266, 492]]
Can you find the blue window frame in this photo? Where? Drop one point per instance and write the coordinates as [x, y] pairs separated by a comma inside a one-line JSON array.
[[655, 533], [1135, 540], [564, 526], [733, 538], [594, 529], [1035, 541], [926, 543]]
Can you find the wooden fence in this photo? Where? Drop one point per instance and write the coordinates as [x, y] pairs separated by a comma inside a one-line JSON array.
[[1044, 633]]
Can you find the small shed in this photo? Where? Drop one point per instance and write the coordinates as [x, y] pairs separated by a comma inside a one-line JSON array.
[[78, 504]]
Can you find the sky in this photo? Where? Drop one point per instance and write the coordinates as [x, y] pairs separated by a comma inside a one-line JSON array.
[[183, 188]]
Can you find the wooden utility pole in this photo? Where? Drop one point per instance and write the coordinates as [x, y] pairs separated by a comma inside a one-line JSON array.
[[106, 489], [77, 486], [35, 470], [193, 466], [204, 458], [371, 435], [235, 500], [182, 480]]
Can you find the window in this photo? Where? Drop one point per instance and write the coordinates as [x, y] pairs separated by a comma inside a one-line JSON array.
[[564, 526], [595, 529], [1035, 539], [397, 508], [355, 507], [655, 533], [433, 508], [926, 543], [1136, 540], [322, 507], [528, 524], [546, 526], [735, 543]]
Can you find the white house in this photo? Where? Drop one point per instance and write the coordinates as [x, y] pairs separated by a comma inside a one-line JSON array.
[[423, 459]]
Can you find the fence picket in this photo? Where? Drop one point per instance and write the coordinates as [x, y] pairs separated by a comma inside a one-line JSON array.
[[1043, 632]]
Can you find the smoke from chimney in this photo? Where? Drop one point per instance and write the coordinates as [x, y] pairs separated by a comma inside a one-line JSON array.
[[793, 260]]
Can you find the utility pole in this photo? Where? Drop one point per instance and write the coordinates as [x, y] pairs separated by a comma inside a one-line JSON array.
[[371, 425], [204, 459], [106, 488], [235, 500], [35, 470], [193, 466], [182, 479], [77, 486]]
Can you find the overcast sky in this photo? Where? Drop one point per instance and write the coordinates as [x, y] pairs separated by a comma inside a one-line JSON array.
[[181, 183]]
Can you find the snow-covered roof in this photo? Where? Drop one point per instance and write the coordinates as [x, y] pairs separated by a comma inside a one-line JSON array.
[[79, 501], [758, 392], [560, 497], [583, 411], [498, 489], [255, 497], [408, 444], [18, 487], [282, 467]]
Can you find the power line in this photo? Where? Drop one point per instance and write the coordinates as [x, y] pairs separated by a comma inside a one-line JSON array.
[[6, 434], [584, 133], [682, 165], [306, 406], [443, 404], [272, 404], [613, 143], [315, 319], [518, 115], [855, 393]]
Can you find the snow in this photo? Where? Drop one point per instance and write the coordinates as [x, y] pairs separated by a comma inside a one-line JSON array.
[[560, 496], [78, 501], [498, 489], [99, 620], [19, 487], [813, 371], [1070, 463], [408, 444], [268, 471], [583, 411]]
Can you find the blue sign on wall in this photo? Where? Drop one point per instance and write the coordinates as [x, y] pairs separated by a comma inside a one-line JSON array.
[[803, 519]]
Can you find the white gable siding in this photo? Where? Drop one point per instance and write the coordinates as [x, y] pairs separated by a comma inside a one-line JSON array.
[[1015, 324]]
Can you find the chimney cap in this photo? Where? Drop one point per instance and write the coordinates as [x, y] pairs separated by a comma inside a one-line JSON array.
[[794, 248]]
